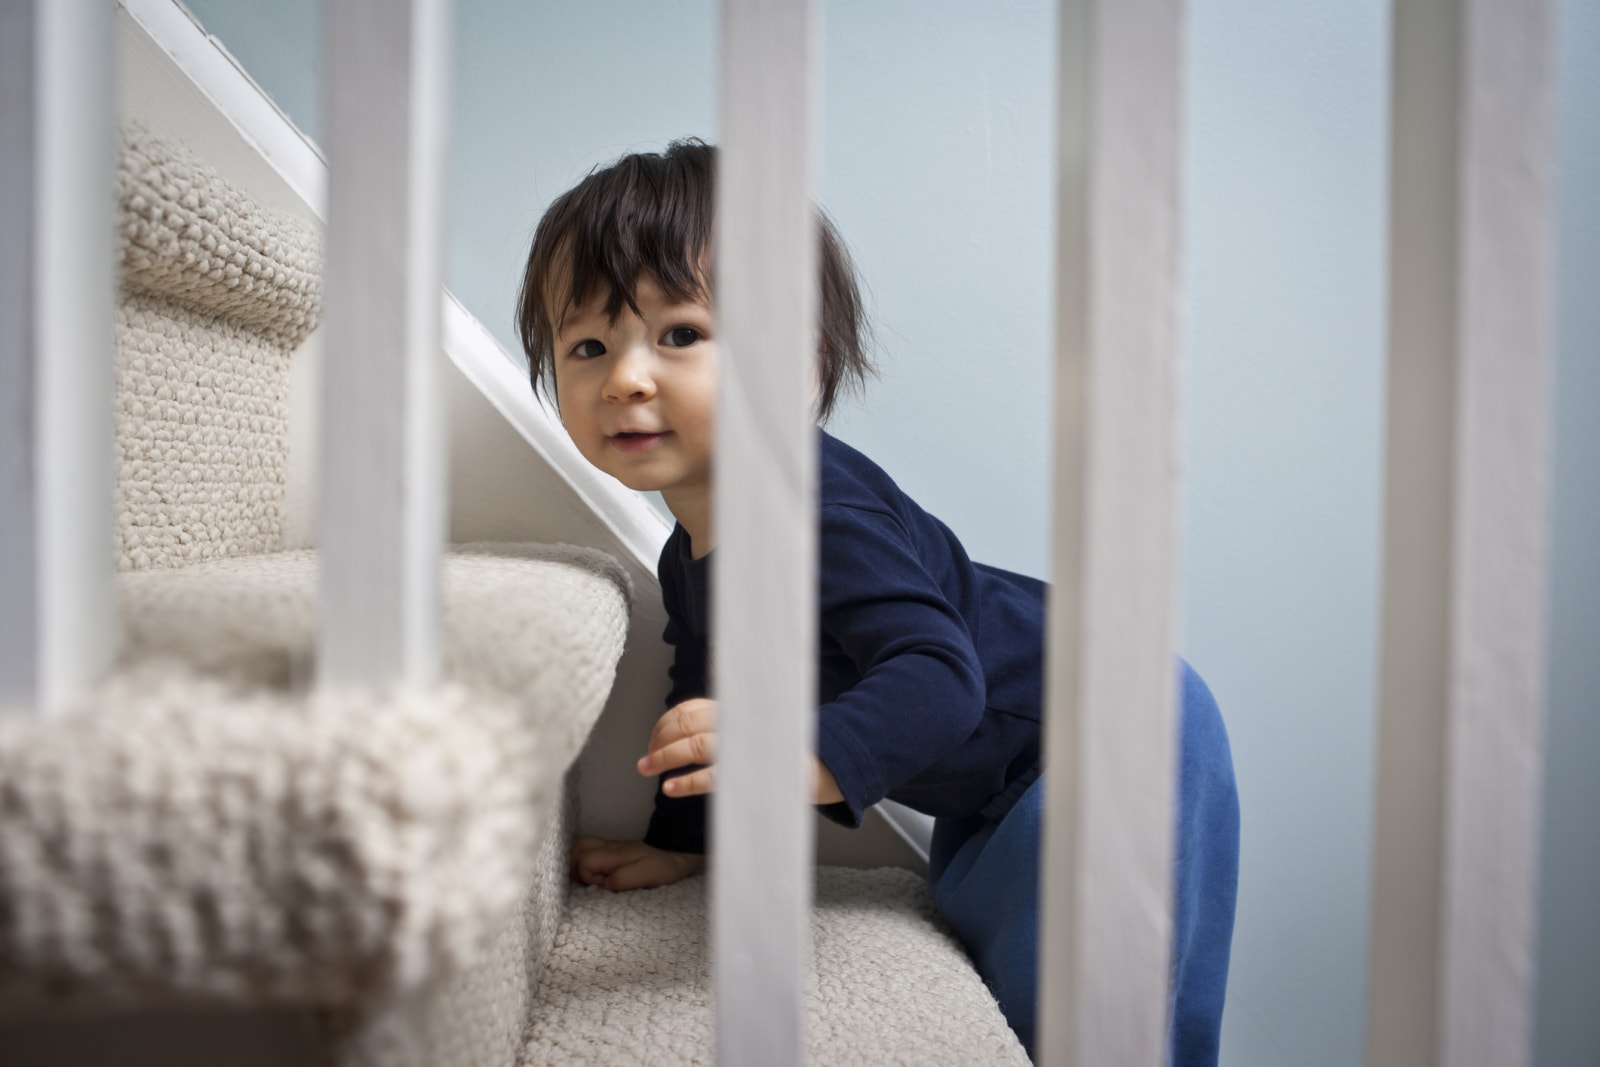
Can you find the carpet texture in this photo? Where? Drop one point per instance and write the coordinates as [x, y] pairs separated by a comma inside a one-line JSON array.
[[628, 982], [217, 293], [206, 827], [189, 237]]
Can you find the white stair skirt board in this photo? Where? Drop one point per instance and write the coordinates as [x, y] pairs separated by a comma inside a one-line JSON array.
[[765, 517], [57, 612], [1110, 733], [1460, 700], [383, 503]]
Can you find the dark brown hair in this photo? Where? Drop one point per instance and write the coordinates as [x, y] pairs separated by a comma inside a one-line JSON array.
[[651, 214]]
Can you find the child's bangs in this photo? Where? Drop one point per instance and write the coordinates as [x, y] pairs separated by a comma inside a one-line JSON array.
[[605, 268], [649, 215]]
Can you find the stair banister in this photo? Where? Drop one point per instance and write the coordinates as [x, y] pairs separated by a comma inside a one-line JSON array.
[[383, 492], [1110, 678], [1460, 702], [58, 615], [1451, 970], [764, 609]]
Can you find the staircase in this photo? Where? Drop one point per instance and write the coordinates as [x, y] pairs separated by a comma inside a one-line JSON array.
[[381, 876]]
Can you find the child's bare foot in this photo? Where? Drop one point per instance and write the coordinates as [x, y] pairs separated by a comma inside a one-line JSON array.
[[620, 865]]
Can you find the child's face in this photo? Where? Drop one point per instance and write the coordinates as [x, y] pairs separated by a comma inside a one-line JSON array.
[[637, 395]]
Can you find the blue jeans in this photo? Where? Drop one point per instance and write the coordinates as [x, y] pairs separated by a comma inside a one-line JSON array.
[[984, 876]]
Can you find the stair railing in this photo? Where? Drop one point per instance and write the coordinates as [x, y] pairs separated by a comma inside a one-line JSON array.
[[1110, 681], [1460, 718], [765, 517], [383, 443], [1451, 971], [58, 612]]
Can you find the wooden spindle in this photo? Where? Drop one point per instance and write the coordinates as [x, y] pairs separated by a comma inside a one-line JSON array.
[[58, 612], [383, 485], [1110, 730], [1462, 657], [764, 591]]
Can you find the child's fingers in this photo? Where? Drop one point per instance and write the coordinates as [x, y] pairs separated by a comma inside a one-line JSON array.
[[696, 748], [691, 717], [692, 784]]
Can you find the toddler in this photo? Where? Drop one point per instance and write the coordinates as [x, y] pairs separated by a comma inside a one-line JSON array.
[[930, 665]]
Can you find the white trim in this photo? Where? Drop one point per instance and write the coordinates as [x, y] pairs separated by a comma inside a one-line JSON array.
[[764, 594], [1110, 731], [383, 442], [485, 364], [1460, 742], [58, 617], [471, 347], [235, 94], [913, 827]]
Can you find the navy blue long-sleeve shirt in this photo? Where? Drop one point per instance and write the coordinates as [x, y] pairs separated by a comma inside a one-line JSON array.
[[930, 688], [930, 665]]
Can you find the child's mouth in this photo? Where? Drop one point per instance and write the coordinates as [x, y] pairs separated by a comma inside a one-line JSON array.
[[631, 441]]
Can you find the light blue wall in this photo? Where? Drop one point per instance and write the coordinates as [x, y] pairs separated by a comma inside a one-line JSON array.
[[936, 157], [1286, 181]]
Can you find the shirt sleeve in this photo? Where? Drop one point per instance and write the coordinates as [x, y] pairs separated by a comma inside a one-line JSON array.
[[678, 824], [921, 692]]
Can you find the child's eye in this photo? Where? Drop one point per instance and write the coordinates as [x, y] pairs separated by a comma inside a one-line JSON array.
[[681, 337], [589, 349]]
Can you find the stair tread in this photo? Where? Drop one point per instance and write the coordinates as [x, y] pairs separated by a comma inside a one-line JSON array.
[[205, 826], [629, 980]]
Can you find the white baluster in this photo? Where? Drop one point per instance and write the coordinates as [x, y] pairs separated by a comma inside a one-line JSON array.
[[383, 488], [1110, 731], [58, 614], [1461, 676], [764, 589]]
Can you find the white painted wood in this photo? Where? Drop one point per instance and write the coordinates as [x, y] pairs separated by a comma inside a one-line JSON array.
[[154, 91], [383, 493], [58, 617], [235, 95], [1461, 675], [764, 590], [912, 827], [1110, 731], [470, 347], [624, 513]]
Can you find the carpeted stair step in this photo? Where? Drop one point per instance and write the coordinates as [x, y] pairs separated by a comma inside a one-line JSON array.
[[207, 827], [628, 981]]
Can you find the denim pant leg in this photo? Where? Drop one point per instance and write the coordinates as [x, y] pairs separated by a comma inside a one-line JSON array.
[[984, 877], [1206, 883]]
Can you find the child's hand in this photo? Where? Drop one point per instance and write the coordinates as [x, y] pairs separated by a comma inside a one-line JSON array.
[[683, 736], [687, 735], [620, 865]]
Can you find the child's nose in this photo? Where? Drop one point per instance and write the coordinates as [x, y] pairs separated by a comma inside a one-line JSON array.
[[630, 376]]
